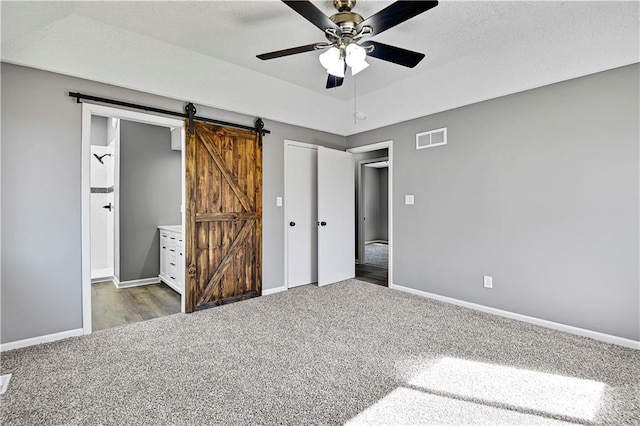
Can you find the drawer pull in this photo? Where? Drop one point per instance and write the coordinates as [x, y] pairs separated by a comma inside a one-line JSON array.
[[172, 264], [171, 250], [173, 278], [173, 238], [164, 248]]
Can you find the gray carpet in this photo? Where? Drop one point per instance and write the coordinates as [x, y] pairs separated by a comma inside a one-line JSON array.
[[376, 254], [352, 352]]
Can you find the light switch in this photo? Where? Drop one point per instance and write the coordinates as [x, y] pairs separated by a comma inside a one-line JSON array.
[[278, 201], [409, 200]]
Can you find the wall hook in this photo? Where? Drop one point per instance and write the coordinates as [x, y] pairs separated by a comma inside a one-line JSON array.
[[100, 157]]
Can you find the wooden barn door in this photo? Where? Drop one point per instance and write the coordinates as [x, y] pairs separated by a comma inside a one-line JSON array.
[[223, 215]]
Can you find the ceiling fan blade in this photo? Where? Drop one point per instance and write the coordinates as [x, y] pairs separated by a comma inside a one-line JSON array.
[[291, 51], [311, 13], [334, 81], [396, 13], [397, 55]]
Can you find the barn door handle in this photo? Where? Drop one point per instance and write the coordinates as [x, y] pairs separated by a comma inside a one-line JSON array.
[[292, 224]]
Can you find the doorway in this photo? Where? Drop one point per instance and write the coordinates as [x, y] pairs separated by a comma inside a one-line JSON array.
[[374, 212], [103, 141], [127, 288]]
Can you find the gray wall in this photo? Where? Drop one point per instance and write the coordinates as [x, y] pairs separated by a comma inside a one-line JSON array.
[[41, 257], [150, 195], [539, 189], [99, 130]]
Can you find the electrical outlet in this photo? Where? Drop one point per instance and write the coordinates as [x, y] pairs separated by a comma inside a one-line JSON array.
[[488, 281]]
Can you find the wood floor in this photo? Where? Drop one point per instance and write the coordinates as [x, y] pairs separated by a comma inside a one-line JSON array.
[[112, 307], [372, 274]]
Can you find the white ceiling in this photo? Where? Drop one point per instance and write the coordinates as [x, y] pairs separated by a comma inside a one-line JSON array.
[[204, 52]]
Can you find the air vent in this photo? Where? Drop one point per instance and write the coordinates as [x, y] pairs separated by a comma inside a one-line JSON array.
[[431, 138]]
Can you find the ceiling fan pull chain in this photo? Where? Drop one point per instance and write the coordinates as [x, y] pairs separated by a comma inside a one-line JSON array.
[[355, 105]]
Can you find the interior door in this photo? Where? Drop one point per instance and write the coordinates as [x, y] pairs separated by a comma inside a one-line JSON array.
[[223, 232], [301, 215], [336, 216]]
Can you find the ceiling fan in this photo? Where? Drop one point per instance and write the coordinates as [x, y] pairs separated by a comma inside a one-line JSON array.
[[345, 32]]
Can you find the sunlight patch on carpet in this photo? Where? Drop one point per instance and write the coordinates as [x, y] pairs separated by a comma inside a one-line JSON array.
[[405, 406], [4, 383], [515, 388]]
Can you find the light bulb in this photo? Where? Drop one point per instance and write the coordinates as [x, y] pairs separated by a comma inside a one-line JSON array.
[[332, 62], [356, 56]]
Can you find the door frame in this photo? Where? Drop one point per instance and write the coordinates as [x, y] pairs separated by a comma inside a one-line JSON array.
[[288, 143], [88, 110], [374, 147], [360, 225]]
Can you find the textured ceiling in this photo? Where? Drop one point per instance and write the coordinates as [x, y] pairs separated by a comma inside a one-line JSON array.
[[474, 51]]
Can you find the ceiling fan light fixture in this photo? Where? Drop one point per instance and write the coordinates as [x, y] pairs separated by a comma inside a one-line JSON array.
[[356, 56], [332, 62]]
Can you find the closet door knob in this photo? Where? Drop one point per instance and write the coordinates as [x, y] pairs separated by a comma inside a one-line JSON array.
[[323, 223], [292, 224]]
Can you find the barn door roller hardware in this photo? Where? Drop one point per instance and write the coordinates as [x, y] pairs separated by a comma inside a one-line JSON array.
[[190, 113]]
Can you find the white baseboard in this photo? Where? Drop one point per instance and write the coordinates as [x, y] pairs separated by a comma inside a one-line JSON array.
[[608, 338], [101, 275], [266, 292], [135, 283], [102, 279], [40, 339]]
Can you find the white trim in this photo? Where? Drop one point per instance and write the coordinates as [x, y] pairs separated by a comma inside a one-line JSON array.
[[85, 217], [374, 147], [274, 290], [89, 109], [360, 243], [41, 339], [608, 338], [116, 197], [136, 283], [103, 279], [287, 143], [183, 158], [140, 117], [300, 144]]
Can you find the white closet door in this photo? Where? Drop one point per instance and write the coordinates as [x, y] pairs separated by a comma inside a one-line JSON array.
[[301, 215], [336, 214]]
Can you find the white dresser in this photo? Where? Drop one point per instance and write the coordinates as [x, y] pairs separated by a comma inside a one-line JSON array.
[[172, 257]]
